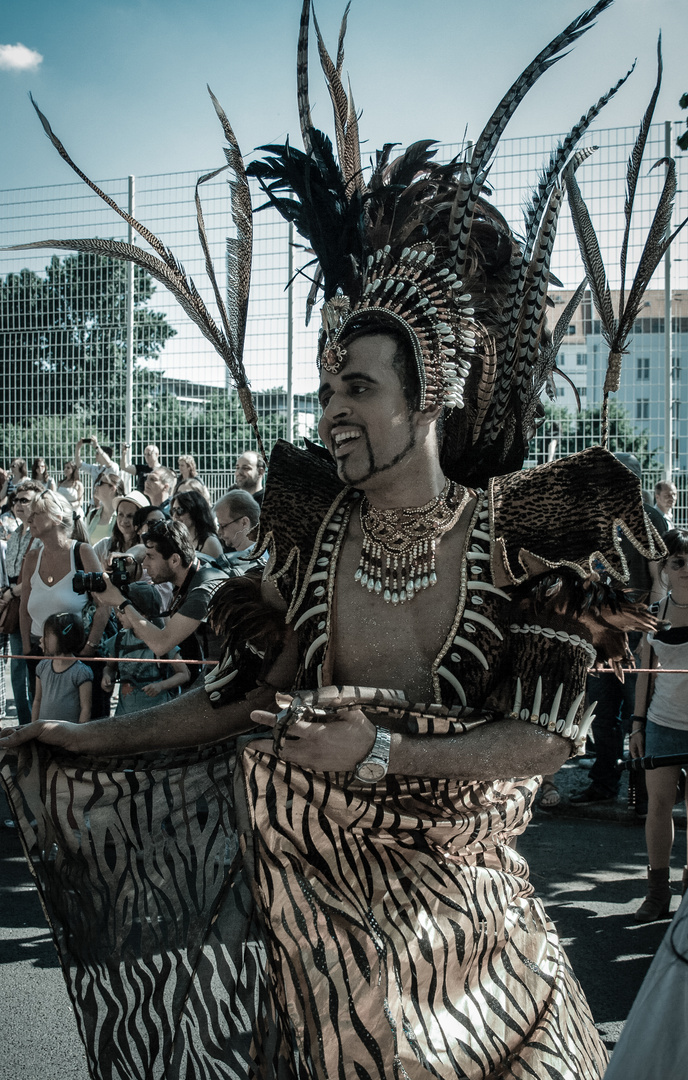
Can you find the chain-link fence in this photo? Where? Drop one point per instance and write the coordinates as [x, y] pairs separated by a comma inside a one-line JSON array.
[[63, 323]]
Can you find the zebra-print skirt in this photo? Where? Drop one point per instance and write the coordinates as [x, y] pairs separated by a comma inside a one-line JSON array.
[[222, 914]]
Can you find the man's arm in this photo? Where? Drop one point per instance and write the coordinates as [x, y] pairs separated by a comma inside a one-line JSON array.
[[123, 464], [105, 459], [189, 722], [159, 640], [494, 751]]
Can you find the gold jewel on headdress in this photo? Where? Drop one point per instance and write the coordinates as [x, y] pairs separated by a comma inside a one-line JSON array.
[[399, 546]]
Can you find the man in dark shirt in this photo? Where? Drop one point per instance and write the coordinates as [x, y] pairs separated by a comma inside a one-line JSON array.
[[170, 557], [140, 469]]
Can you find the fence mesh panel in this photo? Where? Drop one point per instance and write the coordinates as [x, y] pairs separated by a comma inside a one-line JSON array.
[[63, 322]]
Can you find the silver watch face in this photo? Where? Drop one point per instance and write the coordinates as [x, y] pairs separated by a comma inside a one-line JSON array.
[[371, 771]]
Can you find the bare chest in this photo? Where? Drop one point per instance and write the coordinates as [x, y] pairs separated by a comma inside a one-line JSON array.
[[394, 646]]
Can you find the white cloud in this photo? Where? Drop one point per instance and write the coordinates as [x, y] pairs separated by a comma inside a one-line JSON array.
[[19, 58]]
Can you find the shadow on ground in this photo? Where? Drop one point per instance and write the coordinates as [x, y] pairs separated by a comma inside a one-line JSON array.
[[590, 875]]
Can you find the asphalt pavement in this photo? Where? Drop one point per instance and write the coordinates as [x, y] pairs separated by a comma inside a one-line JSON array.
[[589, 872]]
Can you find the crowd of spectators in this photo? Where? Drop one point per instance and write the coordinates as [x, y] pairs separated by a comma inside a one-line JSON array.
[[75, 636]]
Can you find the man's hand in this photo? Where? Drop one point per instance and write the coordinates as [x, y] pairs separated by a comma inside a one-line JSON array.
[[55, 732], [334, 746], [111, 596]]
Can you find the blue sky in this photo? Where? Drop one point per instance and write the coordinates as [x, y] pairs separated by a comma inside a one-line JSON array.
[[123, 83]]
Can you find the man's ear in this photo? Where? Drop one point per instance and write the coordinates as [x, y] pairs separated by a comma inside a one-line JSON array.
[[429, 415]]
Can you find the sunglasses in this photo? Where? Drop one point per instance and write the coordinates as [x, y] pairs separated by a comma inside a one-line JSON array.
[[677, 563], [177, 511], [230, 522], [23, 501]]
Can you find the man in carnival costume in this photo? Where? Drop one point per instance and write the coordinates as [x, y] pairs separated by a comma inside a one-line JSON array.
[[333, 893]]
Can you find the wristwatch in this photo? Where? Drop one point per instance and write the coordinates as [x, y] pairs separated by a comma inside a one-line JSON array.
[[123, 606], [374, 766]]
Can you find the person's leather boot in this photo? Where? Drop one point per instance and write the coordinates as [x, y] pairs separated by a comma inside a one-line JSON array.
[[656, 903]]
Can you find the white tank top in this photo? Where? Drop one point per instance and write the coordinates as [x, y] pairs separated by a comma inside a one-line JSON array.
[[53, 599], [669, 702]]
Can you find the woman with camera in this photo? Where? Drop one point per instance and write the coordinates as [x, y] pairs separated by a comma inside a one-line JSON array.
[[48, 576]]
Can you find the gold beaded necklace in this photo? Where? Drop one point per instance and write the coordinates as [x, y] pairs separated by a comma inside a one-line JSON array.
[[399, 545]]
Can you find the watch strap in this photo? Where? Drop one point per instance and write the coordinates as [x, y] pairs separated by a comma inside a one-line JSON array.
[[377, 756]]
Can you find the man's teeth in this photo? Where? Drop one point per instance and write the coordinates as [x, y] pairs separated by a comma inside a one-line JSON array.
[[342, 436]]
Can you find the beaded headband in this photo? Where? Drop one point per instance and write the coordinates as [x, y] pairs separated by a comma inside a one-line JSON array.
[[424, 302]]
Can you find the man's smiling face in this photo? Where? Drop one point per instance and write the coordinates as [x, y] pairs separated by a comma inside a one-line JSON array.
[[367, 423]]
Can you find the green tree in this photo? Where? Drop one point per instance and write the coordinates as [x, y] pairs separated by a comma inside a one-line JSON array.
[[577, 431], [63, 338]]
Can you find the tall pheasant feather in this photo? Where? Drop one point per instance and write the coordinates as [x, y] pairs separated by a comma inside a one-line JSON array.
[[616, 329], [228, 341]]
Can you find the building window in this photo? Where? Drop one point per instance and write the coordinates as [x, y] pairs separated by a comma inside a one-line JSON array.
[[642, 408], [571, 329], [583, 391], [561, 391], [642, 367], [581, 359], [676, 367]]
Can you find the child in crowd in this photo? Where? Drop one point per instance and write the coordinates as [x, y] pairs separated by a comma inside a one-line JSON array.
[[63, 683], [140, 683]]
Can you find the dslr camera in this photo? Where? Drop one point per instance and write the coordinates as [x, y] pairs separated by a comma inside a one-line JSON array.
[[92, 581]]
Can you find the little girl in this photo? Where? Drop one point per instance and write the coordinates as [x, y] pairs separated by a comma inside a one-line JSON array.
[[63, 683]]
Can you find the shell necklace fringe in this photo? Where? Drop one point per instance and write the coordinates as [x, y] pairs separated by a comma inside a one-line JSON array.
[[398, 553]]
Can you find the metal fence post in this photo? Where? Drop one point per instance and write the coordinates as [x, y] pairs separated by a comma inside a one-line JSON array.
[[668, 373], [290, 333], [129, 380]]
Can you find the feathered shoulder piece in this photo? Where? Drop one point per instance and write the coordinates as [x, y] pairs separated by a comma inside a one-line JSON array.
[[569, 513], [302, 493]]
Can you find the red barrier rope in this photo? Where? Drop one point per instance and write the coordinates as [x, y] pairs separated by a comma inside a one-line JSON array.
[[105, 659], [206, 663]]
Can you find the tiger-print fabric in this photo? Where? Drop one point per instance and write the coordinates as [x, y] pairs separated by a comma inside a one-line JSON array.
[[221, 914]]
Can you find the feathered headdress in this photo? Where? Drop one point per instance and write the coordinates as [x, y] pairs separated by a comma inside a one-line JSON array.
[[416, 247]]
